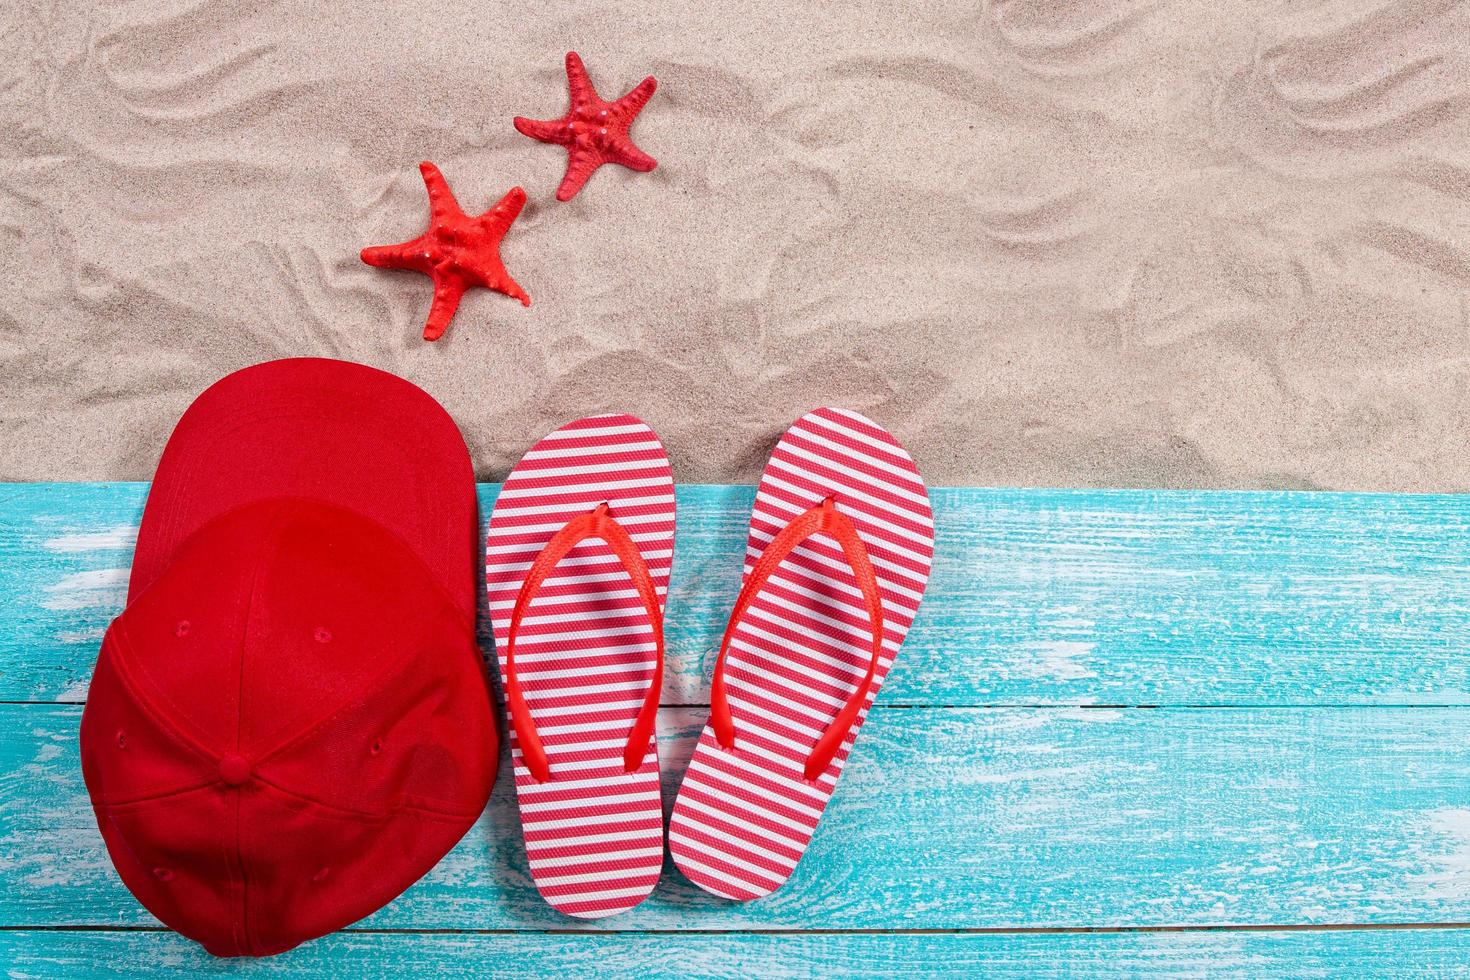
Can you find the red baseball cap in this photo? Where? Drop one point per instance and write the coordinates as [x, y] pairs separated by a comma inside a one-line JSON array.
[[290, 723]]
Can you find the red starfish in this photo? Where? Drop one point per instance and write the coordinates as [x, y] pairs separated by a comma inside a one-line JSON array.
[[593, 131], [457, 251]]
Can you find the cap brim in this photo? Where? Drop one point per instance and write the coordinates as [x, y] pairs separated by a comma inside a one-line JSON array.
[[326, 430]]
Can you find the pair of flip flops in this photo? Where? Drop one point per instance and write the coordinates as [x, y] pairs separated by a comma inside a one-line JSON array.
[[578, 555]]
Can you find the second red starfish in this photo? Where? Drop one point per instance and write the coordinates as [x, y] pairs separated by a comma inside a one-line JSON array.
[[457, 251], [593, 131]]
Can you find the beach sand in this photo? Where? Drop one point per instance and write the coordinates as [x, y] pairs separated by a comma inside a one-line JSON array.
[[1066, 244]]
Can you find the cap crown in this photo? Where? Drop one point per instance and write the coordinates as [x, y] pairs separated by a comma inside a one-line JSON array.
[[287, 728]]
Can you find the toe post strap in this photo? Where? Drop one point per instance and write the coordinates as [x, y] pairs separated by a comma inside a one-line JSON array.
[[599, 524], [824, 518]]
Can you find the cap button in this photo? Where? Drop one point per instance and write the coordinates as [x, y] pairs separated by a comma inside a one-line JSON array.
[[234, 770]]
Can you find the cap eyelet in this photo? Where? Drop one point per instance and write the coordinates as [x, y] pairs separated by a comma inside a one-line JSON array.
[[122, 739], [163, 874], [182, 629], [376, 747], [322, 635]]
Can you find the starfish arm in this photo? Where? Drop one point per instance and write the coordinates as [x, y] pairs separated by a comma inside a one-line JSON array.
[[504, 213], [631, 104], [442, 204], [623, 151], [489, 271], [545, 130], [580, 166], [505, 284], [404, 255], [447, 292], [579, 83]]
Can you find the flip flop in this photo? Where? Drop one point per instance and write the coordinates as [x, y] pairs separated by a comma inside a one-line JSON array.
[[577, 562], [841, 540]]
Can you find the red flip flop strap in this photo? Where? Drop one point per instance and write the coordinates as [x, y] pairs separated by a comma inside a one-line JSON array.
[[822, 518], [597, 523]]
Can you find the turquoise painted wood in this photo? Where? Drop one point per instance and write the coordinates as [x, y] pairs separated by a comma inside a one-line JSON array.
[[1060, 597], [1239, 718], [949, 818], [534, 956]]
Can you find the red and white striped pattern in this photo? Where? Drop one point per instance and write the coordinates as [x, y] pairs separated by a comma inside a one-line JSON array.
[[584, 658], [744, 816]]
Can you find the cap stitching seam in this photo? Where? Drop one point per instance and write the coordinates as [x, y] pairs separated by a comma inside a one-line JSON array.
[[144, 698], [351, 701], [414, 804], [476, 654], [277, 522], [161, 795], [408, 804]]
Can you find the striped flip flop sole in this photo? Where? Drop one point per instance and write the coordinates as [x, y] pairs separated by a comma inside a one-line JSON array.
[[745, 814], [584, 659]]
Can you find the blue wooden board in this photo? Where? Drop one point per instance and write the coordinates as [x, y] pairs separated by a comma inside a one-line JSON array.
[[1038, 596], [1234, 727], [951, 819], [740, 956]]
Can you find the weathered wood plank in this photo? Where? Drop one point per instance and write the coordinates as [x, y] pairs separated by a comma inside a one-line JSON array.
[[1039, 596], [949, 818], [391, 956]]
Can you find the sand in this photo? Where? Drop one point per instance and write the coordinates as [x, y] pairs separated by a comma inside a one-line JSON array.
[[1175, 245]]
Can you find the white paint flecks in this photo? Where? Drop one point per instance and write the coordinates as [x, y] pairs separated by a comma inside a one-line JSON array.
[[1060, 775], [87, 636], [1098, 716], [120, 538], [87, 590], [1060, 660], [75, 690], [1447, 853]]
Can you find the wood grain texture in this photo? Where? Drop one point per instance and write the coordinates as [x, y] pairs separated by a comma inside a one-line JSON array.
[[948, 818], [1307, 761], [1039, 597], [391, 956]]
